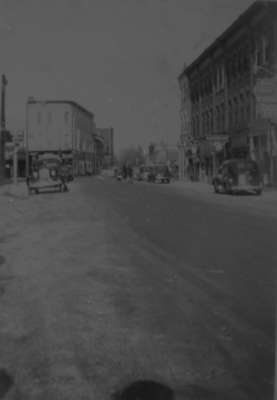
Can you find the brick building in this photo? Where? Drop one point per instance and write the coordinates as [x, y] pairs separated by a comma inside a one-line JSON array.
[[225, 117]]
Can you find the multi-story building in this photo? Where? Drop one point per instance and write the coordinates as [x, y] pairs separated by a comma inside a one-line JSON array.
[[63, 127], [223, 81], [186, 139], [107, 134]]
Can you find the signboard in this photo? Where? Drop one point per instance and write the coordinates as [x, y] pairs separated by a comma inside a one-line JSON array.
[[265, 91]]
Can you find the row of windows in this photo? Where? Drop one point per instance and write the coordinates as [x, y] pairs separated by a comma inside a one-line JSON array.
[[49, 117], [236, 66], [238, 113]]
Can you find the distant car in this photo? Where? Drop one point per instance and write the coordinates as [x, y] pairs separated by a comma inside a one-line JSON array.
[[237, 176], [161, 174], [145, 173], [119, 175], [137, 174], [46, 175], [157, 173]]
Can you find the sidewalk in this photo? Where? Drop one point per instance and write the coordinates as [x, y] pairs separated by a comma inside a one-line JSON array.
[[9, 189]]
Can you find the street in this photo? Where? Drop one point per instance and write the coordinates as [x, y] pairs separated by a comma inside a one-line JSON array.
[[113, 283]]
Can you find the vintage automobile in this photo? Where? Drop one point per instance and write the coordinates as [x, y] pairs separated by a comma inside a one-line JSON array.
[[158, 173], [47, 175], [161, 174], [238, 176]]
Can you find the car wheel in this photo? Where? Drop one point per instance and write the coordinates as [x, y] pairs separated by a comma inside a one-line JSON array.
[[36, 191], [258, 192]]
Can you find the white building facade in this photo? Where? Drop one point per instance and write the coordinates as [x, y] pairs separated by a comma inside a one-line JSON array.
[[62, 127]]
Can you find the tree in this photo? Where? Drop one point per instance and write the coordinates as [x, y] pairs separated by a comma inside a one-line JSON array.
[[132, 156]]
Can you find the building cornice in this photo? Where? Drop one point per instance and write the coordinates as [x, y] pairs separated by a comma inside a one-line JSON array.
[[70, 102], [254, 11]]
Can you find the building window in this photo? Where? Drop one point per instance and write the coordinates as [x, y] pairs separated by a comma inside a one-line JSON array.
[[246, 60], [266, 50], [222, 116], [211, 121], [208, 122], [242, 108], [235, 111], [49, 117], [217, 118], [221, 75], [230, 114], [66, 115], [259, 52], [248, 106]]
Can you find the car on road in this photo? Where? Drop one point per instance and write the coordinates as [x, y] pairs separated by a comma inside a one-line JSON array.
[[145, 173], [47, 174], [161, 174], [238, 176]]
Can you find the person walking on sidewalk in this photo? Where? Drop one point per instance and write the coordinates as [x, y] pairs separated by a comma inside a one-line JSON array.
[[124, 172], [130, 174]]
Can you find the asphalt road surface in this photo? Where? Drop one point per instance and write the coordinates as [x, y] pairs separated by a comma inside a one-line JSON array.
[[113, 283]]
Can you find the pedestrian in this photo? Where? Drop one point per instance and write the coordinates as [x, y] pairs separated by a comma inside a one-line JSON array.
[[130, 174], [124, 171], [64, 176]]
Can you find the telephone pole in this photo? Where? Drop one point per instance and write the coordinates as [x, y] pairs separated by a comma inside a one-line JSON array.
[[4, 83]]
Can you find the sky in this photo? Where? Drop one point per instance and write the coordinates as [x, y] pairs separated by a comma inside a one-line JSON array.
[[118, 58]]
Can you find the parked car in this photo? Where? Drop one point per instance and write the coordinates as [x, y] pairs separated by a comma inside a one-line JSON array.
[[235, 176], [47, 175]]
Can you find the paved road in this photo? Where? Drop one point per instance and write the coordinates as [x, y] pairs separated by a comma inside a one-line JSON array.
[[112, 283]]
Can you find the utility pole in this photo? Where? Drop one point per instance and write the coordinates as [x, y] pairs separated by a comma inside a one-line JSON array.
[[4, 83]]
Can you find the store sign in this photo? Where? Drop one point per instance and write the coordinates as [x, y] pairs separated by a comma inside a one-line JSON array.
[[265, 91]]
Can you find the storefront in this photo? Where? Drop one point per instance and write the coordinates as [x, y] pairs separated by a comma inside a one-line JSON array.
[[212, 152], [263, 149]]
